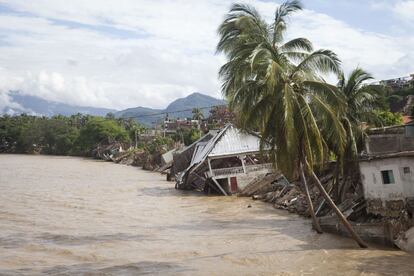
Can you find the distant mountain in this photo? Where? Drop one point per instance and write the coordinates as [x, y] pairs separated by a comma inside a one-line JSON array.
[[149, 116], [39, 106], [192, 101], [145, 115]]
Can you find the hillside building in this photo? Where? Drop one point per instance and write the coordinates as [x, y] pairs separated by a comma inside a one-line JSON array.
[[387, 170]]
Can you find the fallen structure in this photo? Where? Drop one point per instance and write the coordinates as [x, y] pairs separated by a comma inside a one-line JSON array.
[[226, 163], [378, 207], [182, 158]]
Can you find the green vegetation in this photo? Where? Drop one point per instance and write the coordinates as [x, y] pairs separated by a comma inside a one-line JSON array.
[[187, 136], [101, 131], [74, 135], [197, 114], [157, 145], [277, 87], [356, 110], [387, 118]]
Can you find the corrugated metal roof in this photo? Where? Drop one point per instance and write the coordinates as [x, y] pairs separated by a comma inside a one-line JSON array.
[[228, 141], [207, 136], [202, 154], [198, 149], [233, 141]]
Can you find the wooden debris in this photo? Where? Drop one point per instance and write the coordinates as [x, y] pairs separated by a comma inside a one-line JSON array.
[[260, 185]]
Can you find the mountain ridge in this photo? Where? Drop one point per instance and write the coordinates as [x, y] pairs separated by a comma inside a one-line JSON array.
[[146, 115], [149, 116], [39, 106]]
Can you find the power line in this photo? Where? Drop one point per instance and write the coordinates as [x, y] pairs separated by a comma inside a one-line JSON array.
[[170, 112]]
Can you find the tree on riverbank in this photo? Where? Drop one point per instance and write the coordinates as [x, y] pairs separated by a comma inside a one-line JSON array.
[[360, 101], [59, 135], [275, 87]]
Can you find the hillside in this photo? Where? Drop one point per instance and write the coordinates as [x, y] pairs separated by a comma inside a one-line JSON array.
[[149, 116], [39, 106], [145, 115]]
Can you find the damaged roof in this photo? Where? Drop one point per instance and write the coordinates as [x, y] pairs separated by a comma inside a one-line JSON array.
[[229, 141], [233, 141]]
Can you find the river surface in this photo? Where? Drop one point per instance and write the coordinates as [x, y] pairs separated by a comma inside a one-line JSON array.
[[71, 216]]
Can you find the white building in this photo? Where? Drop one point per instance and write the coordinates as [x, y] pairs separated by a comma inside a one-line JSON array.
[[387, 171], [226, 163]]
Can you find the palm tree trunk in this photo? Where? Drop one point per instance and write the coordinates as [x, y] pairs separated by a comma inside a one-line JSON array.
[[344, 188], [336, 182], [315, 221], [338, 212]]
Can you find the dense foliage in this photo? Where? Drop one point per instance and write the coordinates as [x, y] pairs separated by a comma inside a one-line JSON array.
[[157, 145], [187, 136], [278, 88], [74, 135], [387, 118], [275, 86]]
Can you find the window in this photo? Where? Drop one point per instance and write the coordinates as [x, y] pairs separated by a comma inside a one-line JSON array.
[[406, 170], [387, 177], [409, 131]]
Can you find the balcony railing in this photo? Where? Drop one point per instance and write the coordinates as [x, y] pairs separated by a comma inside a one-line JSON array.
[[239, 170]]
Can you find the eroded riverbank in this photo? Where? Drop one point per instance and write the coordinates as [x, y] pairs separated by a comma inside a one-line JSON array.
[[72, 215]]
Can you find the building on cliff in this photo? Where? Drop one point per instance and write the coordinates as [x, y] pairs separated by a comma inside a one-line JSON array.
[[387, 170]]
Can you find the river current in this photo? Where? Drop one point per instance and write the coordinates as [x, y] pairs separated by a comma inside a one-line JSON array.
[[71, 216]]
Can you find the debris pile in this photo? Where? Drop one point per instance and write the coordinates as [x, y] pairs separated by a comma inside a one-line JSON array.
[[261, 185], [406, 240], [134, 157], [275, 189]]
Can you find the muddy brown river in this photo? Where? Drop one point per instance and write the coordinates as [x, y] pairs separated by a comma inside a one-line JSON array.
[[71, 216]]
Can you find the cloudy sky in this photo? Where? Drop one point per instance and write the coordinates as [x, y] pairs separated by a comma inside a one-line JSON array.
[[125, 53]]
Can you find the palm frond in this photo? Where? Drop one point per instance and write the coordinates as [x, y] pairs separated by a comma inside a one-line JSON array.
[[282, 12], [323, 61], [297, 44]]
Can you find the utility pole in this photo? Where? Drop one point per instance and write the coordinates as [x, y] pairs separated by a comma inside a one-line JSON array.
[[136, 138]]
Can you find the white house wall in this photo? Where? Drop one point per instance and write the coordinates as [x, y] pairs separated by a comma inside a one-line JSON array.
[[372, 178]]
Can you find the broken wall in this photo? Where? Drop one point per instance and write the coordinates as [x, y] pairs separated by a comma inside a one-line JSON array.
[[389, 143]]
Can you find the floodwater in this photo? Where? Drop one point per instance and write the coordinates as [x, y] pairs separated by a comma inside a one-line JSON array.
[[65, 216]]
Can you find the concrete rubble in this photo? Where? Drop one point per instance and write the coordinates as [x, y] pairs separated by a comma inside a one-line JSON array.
[[388, 230], [394, 227], [133, 157], [406, 240]]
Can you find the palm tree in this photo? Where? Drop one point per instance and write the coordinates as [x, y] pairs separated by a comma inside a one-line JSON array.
[[275, 87], [197, 114], [360, 103]]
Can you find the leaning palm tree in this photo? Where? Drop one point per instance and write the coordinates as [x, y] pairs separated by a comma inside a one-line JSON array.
[[275, 87], [360, 102]]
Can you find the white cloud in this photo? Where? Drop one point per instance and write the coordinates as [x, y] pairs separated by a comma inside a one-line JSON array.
[[171, 52], [405, 10], [7, 106], [377, 53]]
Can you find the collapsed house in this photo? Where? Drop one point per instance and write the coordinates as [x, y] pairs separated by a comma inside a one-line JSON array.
[[182, 158], [387, 170], [225, 163]]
